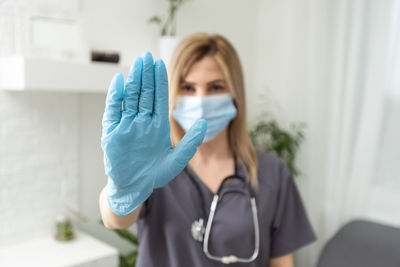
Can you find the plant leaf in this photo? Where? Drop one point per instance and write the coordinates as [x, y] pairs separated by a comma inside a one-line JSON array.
[[269, 136], [155, 19]]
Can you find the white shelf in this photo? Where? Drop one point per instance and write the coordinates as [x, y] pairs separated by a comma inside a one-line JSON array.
[[83, 251], [31, 74]]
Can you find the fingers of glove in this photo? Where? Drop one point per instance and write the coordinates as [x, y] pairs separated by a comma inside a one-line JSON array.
[[161, 90], [188, 145], [146, 98], [112, 111], [132, 87]]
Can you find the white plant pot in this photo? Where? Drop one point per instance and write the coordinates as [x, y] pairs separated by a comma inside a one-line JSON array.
[[167, 46]]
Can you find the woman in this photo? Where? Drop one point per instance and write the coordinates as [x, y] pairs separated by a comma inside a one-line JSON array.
[[257, 219]]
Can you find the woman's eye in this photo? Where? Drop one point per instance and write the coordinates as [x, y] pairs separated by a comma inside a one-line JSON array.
[[216, 88], [187, 88]]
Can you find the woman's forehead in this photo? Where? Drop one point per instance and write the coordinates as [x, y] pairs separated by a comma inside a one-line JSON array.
[[204, 70]]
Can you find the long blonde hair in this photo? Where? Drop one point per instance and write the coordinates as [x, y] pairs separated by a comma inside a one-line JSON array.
[[194, 48]]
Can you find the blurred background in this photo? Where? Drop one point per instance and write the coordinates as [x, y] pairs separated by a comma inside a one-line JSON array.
[[333, 65]]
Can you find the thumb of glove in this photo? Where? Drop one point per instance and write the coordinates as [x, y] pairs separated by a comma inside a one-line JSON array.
[[180, 156]]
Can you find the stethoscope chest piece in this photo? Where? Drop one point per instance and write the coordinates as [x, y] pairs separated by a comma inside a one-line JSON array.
[[198, 230]]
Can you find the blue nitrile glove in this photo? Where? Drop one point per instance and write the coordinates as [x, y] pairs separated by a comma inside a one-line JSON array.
[[138, 155]]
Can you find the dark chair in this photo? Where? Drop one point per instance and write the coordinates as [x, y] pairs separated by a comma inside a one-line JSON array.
[[362, 244]]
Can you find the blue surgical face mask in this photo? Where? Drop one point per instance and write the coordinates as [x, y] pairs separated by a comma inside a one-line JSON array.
[[217, 110]]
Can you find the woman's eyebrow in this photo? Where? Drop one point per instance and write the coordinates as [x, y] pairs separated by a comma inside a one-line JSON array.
[[217, 80], [210, 82]]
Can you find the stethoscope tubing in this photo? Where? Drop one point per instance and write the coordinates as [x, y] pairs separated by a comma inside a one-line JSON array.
[[227, 258]]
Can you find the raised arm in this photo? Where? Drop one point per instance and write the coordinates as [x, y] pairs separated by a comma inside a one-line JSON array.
[[138, 155], [113, 221]]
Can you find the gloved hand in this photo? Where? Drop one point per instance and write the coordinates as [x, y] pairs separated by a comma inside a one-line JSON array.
[[138, 155]]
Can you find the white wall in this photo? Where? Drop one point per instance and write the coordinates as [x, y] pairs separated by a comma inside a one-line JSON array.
[[38, 162], [291, 81]]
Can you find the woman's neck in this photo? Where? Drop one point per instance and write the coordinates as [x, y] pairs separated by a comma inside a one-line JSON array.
[[214, 150]]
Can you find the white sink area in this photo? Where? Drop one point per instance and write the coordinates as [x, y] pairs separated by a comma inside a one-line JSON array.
[[83, 251]]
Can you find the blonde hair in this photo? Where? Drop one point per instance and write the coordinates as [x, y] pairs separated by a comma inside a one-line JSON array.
[[194, 48]]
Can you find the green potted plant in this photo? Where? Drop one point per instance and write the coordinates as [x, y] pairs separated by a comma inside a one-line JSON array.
[[267, 135], [168, 40]]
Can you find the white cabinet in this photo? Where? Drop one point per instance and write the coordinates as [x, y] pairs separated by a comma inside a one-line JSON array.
[[83, 251]]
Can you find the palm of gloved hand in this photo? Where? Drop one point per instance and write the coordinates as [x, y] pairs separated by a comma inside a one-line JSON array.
[[138, 155]]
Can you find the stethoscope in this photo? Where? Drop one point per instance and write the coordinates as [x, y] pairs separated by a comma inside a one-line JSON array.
[[202, 234]]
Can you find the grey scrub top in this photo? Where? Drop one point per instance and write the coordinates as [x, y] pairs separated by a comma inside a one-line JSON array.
[[164, 224]]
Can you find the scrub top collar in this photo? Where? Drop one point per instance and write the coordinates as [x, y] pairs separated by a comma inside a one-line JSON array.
[[240, 170]]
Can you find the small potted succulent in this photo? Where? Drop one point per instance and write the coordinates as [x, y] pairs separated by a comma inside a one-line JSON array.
[[64, 228], [168, 40]]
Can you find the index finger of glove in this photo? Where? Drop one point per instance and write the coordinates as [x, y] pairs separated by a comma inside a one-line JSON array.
[[113, 109]]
